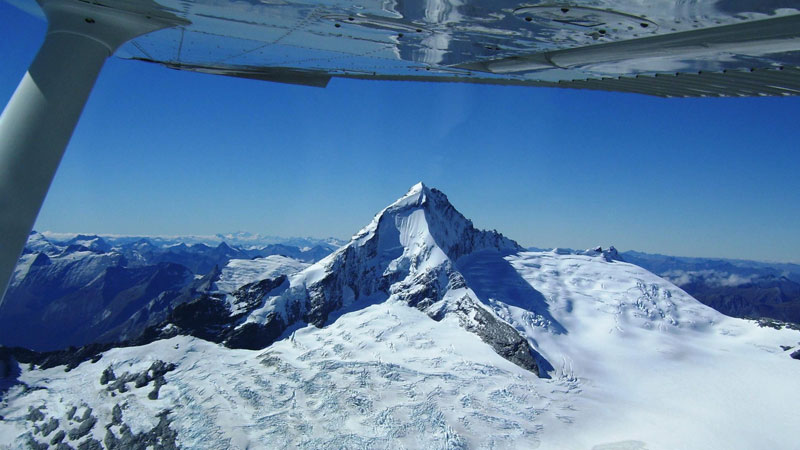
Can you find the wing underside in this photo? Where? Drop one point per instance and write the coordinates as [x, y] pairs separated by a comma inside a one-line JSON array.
[[668, 48]]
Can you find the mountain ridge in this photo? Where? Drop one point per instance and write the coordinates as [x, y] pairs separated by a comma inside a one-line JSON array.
[[406, 253]]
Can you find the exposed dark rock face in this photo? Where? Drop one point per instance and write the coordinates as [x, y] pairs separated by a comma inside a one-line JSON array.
[[611, 254], [83, 429], [502, 337], [250, 296], [154, 374], [116, 415], [157, 310], [34, 445], [35, 414], [107, 375], [58, 437], [47, 428], [70, 357], [472, 316], [205, 317], [90, 444], [254, 336], [795, 354], [160, 436], [210, 318], [777, 324]]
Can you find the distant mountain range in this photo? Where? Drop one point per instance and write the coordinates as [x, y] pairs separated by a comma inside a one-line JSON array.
[[88, 288], [738, 288], [242, 239]]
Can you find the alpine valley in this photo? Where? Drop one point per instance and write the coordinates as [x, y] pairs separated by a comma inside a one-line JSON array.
[[420, 332]]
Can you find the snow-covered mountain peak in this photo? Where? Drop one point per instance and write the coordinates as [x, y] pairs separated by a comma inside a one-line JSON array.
[[415, 197], [416, 193], [417, 189], [418, 234], [424, 218], [92, 242], [409, 253], [38, 243]]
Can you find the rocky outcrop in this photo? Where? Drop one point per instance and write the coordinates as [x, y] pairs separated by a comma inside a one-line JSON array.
[[76, 431], [502, 337]]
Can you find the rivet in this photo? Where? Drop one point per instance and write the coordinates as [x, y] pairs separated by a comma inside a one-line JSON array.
[[528, 19], [336, 25], [644, 25]]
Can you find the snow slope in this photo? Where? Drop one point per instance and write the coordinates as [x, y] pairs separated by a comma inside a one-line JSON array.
[[239, 272], [654, 365], [635, 363]]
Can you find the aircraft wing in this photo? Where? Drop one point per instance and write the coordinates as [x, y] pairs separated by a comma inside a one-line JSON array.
[[669, 48]]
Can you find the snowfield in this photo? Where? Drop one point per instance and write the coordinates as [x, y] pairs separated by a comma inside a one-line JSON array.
[[626, 359], [637, 364], [239, 272]]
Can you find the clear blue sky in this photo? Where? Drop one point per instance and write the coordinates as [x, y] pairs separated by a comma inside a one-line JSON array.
[[164, 152]]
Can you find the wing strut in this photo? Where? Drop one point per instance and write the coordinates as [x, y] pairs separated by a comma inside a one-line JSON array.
[[38, 121]]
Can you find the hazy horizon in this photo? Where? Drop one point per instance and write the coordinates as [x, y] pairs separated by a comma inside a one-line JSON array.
[[66, 235]]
